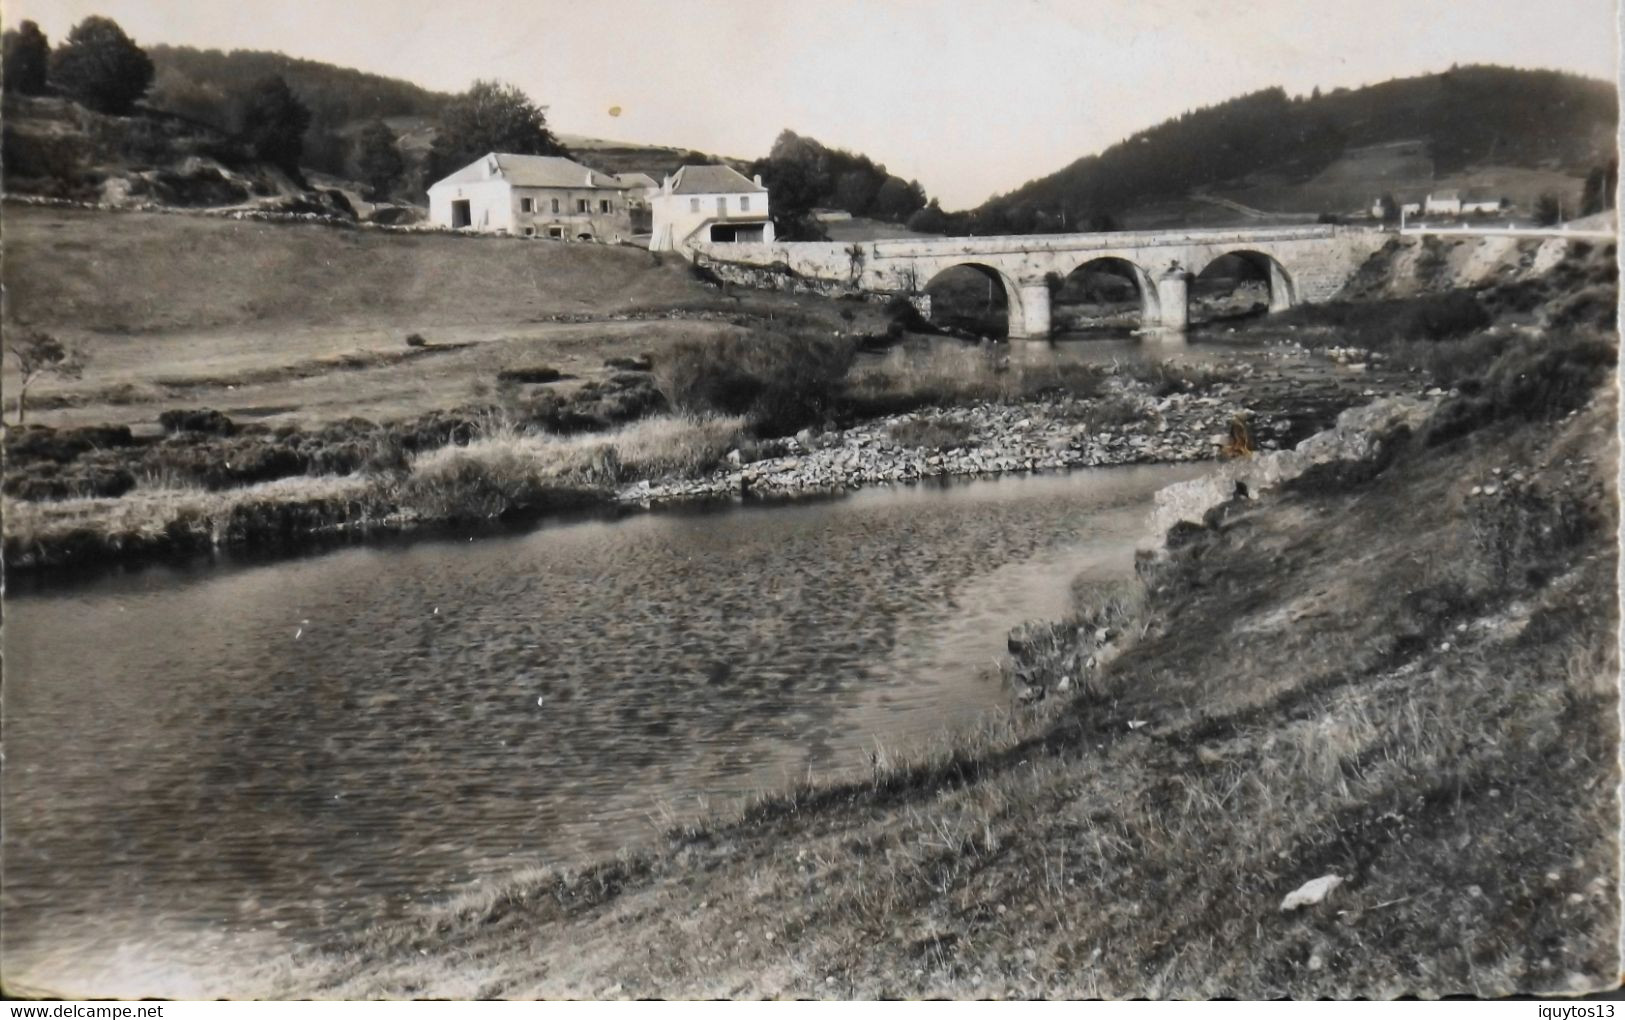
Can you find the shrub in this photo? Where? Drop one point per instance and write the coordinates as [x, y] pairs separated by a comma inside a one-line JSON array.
[[1531, 378], [1452, 363], [641, 363], [779, 381], [1596, 306], [205, 420], [1376, 324], [902, 317], [597, 405], [40, 443], [1522, 533], [533, 374], [43, 481], [416, 340]]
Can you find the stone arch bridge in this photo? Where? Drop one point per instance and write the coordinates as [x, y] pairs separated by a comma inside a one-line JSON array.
[[1302, 264]]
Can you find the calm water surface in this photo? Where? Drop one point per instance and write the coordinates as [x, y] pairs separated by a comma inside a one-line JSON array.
[[201, 763]]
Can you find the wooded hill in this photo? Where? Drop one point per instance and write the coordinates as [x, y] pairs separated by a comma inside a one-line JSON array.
[[212, 85], [1270, 144]]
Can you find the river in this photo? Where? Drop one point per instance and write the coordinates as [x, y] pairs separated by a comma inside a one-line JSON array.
[[204, 761]]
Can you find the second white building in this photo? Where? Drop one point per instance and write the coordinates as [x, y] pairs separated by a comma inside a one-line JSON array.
[[708, 204]]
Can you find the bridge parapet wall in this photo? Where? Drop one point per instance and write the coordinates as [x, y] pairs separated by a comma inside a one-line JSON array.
[[1309, 263]]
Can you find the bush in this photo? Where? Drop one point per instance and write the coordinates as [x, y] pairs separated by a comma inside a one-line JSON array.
[[205, 420], [1521, 534], [36, 443], [596, 406], [780, 382], [43, 481], [902, 317], [1596, 306], [416, 340], [641, 363], [1451, 363], [533, 374], [1377, 324], [1532, 378]]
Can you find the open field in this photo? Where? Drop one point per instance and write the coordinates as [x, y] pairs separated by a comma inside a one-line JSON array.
[[254, 318]]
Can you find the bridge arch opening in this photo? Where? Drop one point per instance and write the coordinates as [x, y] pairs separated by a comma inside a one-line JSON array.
[[1104, 293], [974, 298], [1241, 283]]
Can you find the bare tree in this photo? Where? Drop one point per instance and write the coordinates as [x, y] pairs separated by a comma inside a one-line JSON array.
[[40, 354]]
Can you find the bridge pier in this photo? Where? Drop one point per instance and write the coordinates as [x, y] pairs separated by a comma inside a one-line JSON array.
[[1173, 299], [1030, 320], [1280, 288]]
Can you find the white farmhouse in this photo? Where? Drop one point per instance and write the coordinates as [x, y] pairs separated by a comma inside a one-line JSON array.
[[1483, 208], [709, 203], [1445, 203], [531, 196]]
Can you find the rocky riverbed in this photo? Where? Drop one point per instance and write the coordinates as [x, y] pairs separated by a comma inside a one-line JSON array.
[[1123, 426]]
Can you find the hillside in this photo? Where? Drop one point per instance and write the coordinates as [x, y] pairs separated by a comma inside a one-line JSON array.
[[210, 85], [1490, 130], [292, 322], [614, 157], [58, 148], [74, 270]]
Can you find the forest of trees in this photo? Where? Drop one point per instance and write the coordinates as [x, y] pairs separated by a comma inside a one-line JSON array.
[[802, 174], [214, 87], [1470, 115]]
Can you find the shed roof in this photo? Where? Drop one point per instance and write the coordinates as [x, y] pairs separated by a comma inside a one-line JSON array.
[[711, 179], [532, 172], [637, 179]]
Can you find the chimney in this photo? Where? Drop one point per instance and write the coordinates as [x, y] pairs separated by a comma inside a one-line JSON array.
[[589, 178], [758, 180]]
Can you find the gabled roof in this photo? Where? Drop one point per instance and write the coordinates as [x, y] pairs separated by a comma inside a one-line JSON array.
[[637, 179], [531, 172], [711, 179]]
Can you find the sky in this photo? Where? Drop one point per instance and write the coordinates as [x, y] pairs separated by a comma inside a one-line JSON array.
[[970, 97]]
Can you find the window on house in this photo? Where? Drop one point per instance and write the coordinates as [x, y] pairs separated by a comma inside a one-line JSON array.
[[722, 205], [555, 231], [744, 203], [603, 205], [527, 205], [555, 205], [693, 205], [581, 205], [530, 231]]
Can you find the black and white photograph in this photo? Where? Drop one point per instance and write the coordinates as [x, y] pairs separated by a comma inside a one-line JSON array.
[[839, 500]]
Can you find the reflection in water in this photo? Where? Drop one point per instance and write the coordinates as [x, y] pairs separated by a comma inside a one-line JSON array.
[[197, 758]]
